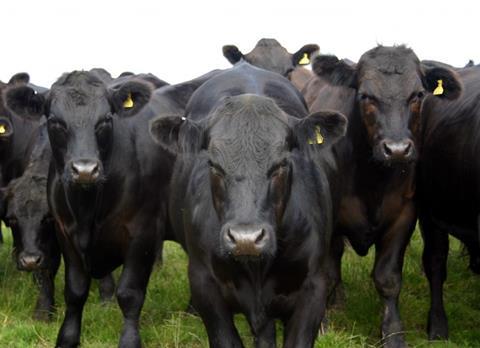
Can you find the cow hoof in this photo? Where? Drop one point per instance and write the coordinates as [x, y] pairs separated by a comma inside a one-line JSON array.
[[42, 315], [394, 340], [337, 298], [324, 326], [437, 327], [191, 310]]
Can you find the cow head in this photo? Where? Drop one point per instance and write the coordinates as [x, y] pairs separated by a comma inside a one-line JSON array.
[[28, 215], [268, 54], [81, 111], [6, 121], [245, 151], [391, 85]]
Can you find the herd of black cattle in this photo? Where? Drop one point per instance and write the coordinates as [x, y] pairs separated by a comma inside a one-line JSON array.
[[261, 172]]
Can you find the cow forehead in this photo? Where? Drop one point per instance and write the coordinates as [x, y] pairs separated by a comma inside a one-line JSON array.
[[392, 73], [248, 133], [270, 55], [79, 95]]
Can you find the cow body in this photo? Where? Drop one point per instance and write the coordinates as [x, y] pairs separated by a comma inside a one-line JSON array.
[[382, 97], [448, 188], [251, 208]]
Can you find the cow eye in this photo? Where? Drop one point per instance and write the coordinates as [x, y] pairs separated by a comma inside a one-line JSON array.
[[11, 221], [103, 124], [57, 124], [366, 98], [420, 95]]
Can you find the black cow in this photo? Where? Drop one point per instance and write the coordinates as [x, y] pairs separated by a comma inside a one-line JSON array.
[[448, 187], [28, 215], [106, 187], [15, 139], [268, 54], [382, 97], [250, 206]]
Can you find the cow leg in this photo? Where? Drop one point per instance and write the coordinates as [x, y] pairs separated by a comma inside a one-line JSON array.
[[132, 288], [106, 288], [387, 273], [77, 284], [435, 254], [302, 327], [209, 303], [45, 280], [265, 337], [336, 291]]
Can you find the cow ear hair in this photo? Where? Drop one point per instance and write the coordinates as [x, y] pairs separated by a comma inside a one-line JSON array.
[[305, 54], [323, 128], [19, 78], [130, 97], [336, 72], [177, 134], [232, 53], [442, 81], [24, 101]]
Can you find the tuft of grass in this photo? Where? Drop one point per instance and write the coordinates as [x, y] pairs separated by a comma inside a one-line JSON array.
[[165, 324]]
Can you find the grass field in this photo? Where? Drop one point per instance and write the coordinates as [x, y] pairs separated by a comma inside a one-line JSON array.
[[164, 324]]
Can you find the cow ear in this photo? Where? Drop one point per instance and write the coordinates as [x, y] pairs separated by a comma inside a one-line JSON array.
[[176, 134], [320, 128], [130, 97], [19, 78], [24, 101], [305, 54], [442, 82], [232, 53], [336, 72]]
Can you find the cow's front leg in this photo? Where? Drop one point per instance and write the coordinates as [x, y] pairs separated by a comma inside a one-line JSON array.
[[208, 301], [132, 287], [45, 281], [303, 326], [336, 291], [77, 284], [435, 254], [387, 273]]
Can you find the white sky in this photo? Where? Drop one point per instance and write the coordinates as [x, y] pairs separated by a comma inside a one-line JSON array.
[[178, 40]]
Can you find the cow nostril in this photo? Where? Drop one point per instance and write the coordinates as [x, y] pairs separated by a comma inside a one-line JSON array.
[[230, 236], [387, 149], [408, 148], [260, 236], [95, 171]]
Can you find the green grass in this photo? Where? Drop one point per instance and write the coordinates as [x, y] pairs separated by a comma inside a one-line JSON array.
[[164, 324]]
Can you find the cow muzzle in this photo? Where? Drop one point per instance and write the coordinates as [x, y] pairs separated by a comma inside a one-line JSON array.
[[85, 171], [247, 241], [30, 261], [398, 151]]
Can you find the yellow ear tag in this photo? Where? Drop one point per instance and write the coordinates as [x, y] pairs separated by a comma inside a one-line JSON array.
[[3, 129], [304, 60], [318, 137], [128, 103], [439, 89]]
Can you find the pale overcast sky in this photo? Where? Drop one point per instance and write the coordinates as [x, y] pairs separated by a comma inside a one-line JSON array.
[[178, 40]]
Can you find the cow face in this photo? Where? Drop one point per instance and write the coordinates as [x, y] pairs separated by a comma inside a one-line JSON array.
[[391, 85], [268, 54], [246, 149], [81, 112], [28, 215]]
